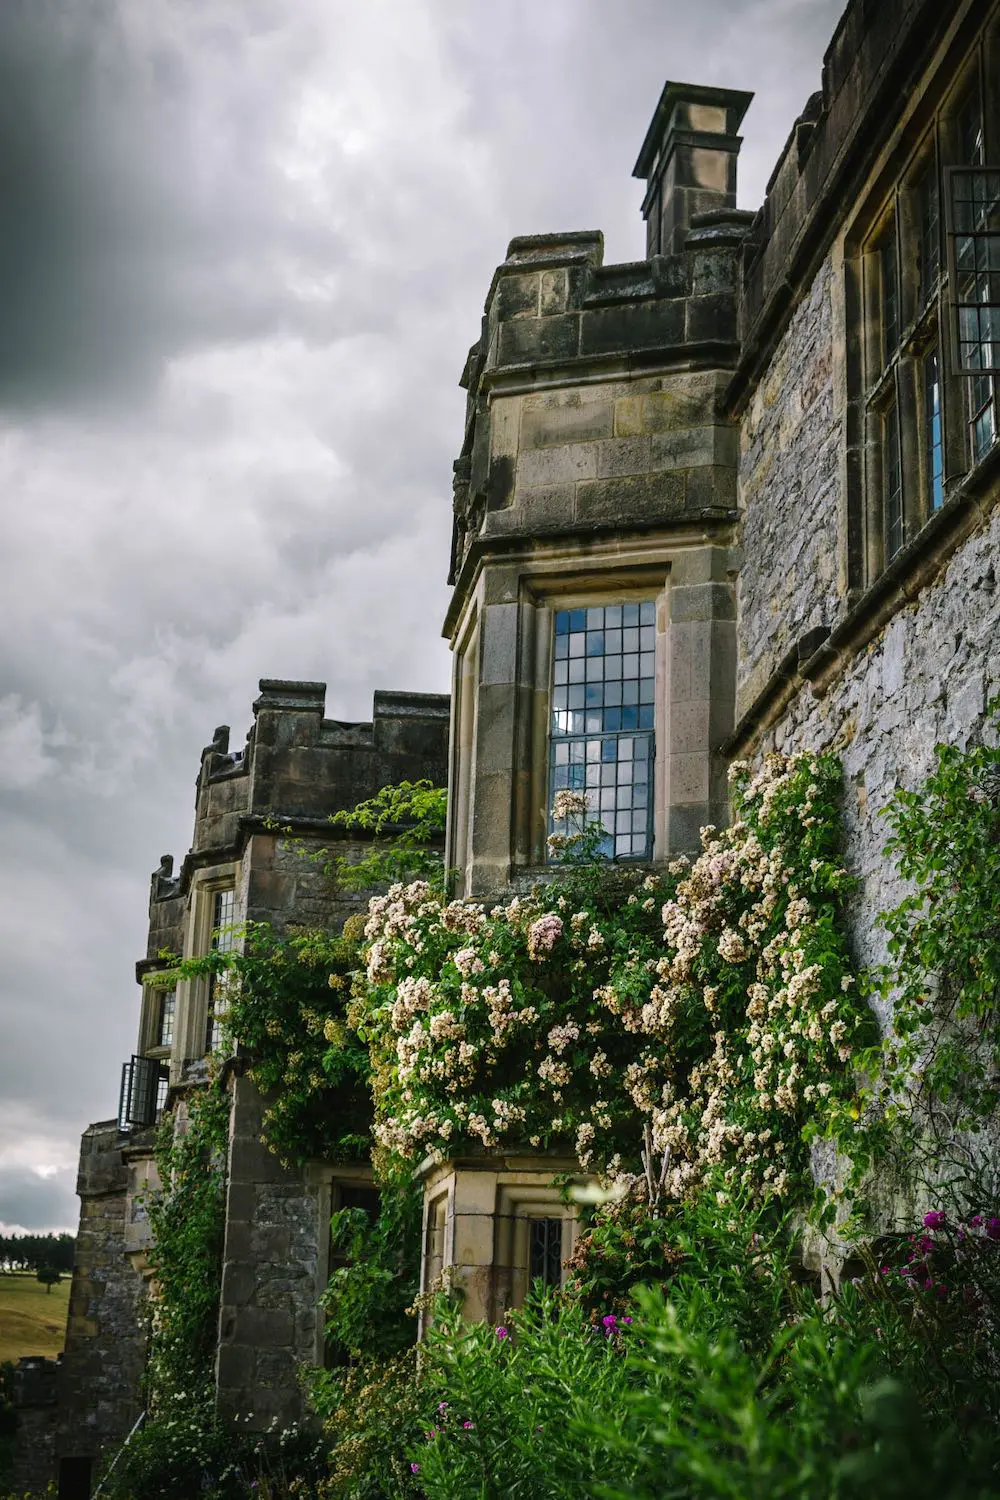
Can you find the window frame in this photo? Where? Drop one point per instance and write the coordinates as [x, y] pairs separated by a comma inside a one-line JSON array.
[[889, 370], [563, 684]]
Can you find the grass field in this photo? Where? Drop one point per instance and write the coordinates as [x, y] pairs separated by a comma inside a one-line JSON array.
[[32, 1321]]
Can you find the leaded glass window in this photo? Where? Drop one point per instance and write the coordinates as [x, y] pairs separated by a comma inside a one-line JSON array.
[[545, 1251], [223, 941], [168, 1010], [603, 689], [930, 233], [893, 468]]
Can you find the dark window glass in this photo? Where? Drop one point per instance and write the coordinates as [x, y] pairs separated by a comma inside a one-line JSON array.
[[545, 1251], [890, 298], [935, 440], [893, 472], [972, 145], [976, 230], [930, 233], [602, 721]]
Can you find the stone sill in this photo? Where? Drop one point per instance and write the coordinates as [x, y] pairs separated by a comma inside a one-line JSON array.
[[822, 655]]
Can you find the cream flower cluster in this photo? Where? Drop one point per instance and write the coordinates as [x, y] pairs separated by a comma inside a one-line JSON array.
[[712, 1003]]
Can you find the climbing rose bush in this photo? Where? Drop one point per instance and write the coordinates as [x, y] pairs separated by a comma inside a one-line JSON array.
[[712, 1002]]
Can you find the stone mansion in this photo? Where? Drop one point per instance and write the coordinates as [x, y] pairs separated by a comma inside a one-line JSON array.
[[741, 494]]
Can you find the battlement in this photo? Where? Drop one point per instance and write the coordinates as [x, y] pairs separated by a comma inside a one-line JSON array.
[[297, 768]]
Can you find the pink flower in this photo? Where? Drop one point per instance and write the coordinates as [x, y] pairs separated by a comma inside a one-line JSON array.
[[467, 1425], [609, 1320], [414, 1468], [501, 1333], [544, 934], [936, 1220]]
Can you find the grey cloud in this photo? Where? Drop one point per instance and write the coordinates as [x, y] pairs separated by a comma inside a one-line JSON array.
[[38, 1204], [246, 249]]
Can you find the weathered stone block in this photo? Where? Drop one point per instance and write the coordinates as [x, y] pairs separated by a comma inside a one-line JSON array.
[[651, 325], [547, 466], [630, 498], [546, 426], [516, 296], [688, 778], [554, 293], [623, 456], [528, 340]]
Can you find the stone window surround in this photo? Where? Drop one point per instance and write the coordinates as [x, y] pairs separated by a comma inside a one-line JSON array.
[[476, 1225], [690, 572], [325, 1179], [191, 1015], [876, 383]]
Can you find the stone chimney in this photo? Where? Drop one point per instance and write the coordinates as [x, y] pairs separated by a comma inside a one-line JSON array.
[[688, 160]]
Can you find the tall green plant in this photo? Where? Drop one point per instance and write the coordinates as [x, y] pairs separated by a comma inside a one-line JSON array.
[[187, 1219], [937, 1074]]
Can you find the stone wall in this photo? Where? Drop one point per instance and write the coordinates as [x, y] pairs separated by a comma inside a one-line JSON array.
[[790, 494], [269, 1320], [927, 677], [99, 1377], [35, 1395]]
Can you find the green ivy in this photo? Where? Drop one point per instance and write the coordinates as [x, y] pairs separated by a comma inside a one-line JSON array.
[[187, 1219], [406, 824], [935, 1077]]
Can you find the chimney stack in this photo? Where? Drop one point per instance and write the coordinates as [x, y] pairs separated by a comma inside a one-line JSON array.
[[688, 160]]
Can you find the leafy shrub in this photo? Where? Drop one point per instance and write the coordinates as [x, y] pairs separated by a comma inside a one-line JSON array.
[[713, 1002], [507, 1405], [372, 1419]]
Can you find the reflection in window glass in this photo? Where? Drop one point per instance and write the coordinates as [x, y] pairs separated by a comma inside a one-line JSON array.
[[935, 439], [602, 719], [893, 483]]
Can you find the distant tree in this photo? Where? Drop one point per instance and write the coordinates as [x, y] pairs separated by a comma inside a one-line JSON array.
[[48, 1276]]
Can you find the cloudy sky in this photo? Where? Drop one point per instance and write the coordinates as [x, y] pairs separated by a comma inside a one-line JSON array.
[[244, 251]]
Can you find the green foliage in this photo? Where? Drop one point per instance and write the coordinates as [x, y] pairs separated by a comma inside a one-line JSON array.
[[29, 1252], [938, 1072], [372, 1418], [287, 1006], [406, 823], [369, 1294], [712, 1003], [189, 1453], [187, 1220], [48, 1276], [506, 1406]]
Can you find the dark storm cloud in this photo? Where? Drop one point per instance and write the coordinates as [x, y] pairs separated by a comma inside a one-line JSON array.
[[38, 1204], [245, 249]]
